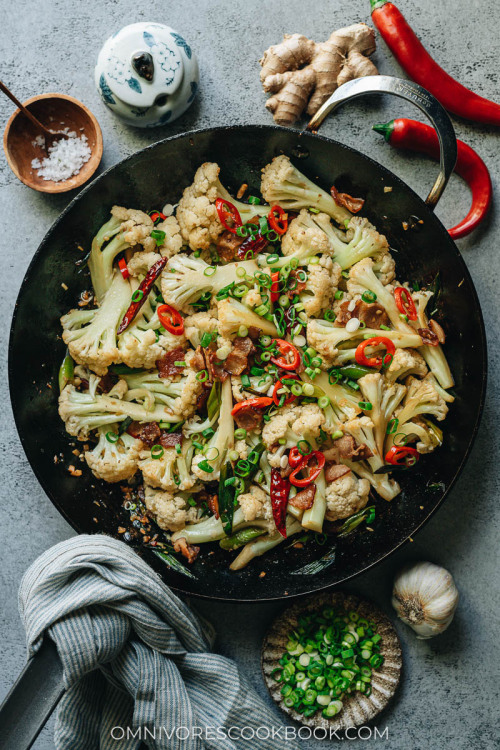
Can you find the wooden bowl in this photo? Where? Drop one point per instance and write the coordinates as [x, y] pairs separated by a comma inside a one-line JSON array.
[[56, 112]]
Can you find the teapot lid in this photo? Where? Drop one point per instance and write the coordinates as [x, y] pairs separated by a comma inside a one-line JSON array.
[[142, 62]]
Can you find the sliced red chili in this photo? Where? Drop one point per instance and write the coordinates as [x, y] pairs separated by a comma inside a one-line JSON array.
[[122, 265], [141, 294], [313, 473], [362, 359], [278, 219], [405, 303], [289, 397], [157, 216], [257, 403], [280, 490], [229, 215], [171, 319], [275, 293], [285, 349], [402, 456], [295, 458]]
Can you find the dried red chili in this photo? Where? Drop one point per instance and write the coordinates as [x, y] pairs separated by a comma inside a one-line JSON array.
[[141, 294], [362, 359], [171, 319], [280, 490], [229, 216], [405, 303], [354, 205]]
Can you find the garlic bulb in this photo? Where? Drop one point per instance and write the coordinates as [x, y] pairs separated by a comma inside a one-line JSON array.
[[425, 598]]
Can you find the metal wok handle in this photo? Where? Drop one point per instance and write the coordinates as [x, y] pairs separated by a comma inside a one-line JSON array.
[[414, 93]]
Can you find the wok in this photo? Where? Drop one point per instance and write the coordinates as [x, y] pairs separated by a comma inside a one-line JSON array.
[[157, 175]]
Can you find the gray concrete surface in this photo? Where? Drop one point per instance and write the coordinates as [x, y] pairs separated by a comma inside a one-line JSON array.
[[449, 694]]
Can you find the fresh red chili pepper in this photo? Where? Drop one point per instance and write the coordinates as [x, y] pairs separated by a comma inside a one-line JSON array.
[[402, 456], [280, 222], [257, 403], [122, 265], [286, 348], [280, 490], [417, 136], [419, 65], [295, 458], [157, 216], [275, 294], [141, 294], [171, 319], [313, 473], [229, 215], [404, 302], [288, 397], [362, 359]]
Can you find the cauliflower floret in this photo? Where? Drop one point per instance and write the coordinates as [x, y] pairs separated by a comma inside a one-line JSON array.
[[114, 462], [136, 227], [168, 341], [304, 235], [346, 496], [140, 263], [256, 504], [139, 349], [293, 423], [252, 298], [196, 213], [171, 511], [241, 449], [170, 472], [233, 314], [422, 397], [406, 362], [172, 242], [198, 324], [186, 403], [322, 281], [385, 268]]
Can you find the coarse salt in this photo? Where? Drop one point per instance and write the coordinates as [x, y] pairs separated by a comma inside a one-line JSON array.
[[65, 158]]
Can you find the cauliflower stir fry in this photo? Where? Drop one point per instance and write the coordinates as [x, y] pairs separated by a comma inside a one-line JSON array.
[[252, 370]]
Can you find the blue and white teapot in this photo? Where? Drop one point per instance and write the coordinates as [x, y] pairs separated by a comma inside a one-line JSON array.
[[147, 74]]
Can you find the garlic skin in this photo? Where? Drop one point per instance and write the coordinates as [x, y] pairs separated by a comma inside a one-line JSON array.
[[425, 597]]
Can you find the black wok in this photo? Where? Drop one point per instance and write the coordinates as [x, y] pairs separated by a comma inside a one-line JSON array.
[[157, 175]]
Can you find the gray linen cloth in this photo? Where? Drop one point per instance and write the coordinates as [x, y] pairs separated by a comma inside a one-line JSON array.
[[134, 656]]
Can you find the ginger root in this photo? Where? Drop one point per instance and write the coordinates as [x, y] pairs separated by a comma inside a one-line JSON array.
[[301, 74]]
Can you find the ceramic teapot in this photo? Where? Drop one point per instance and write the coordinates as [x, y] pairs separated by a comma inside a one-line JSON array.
[[147, 74]]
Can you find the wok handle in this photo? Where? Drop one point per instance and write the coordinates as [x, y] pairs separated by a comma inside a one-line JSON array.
[[31, 699], [413, 93]]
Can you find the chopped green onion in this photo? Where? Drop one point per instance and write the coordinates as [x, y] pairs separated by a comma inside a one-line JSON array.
[[323, 402], [284, 301], [339, 294], [137, 295], [368, 296], [304, 447], [212, 453], [313, 210], [242, 231], [365, 405], [208, 432], [206, 340], [205, 466], [209, 271], [337, 434], [158, 236], [392, 426], [253, 200], [242, 331], [179, 363], [271, 259], [157, 451], [112, 437], [294, 263], [178, 449], [240, 433], [330, 316], [308, 389], [202, 376]]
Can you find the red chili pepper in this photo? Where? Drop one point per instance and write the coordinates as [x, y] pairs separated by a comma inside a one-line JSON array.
[[417, 136], [286, 348], [145, 287], [122, 265], [280, 222], [171, 319], [295, 458], [228, 213], [402, 455], [419, 65], [313, 473], [404, 302], [280, 490], [251, 245], [362, 359], [257, 403], [157, 216], [275, 294], [288, 398]]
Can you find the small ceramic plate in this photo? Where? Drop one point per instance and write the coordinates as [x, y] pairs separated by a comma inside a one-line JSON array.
[[358, 709]]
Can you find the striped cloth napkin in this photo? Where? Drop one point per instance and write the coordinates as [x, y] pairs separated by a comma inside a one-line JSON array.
[[137, 662]]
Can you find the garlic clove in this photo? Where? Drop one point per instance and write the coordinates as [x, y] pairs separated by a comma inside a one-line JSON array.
[[425, 598]]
